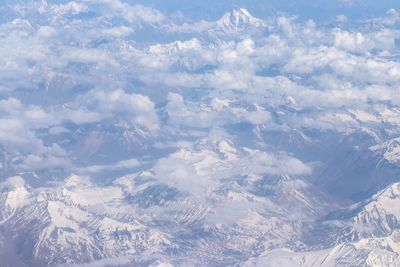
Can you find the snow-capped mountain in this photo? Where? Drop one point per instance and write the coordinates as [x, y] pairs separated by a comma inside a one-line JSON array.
[[239, 19], [377, 217], [368, 235], [73, 223], [137, 216], [389, 150], [140, 134]]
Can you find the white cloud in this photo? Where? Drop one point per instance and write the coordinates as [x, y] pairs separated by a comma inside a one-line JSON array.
[[341, 18], [58, 130], [118, 31], [218, 73], [201, 167], [13, 182], [135, 108], [190, 103], [73, 7], [135, 13], [46, 158], [123, 164], [354, 42]]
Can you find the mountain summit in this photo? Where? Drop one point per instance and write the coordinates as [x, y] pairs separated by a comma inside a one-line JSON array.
[[239, 19]]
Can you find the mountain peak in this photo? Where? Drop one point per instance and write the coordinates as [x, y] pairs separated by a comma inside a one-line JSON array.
[[392, 192], [378, 217], [240, 19], [390, 150]]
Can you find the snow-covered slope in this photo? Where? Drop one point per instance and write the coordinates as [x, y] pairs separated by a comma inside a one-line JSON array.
[[239, 19], [245, 210], [74, 223], [369, 238], [377, 217], [132, 134], [389, 150]]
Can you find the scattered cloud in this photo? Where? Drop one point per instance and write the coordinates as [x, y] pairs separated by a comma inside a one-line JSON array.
[[67, 67], [123, 164], [201, 167], [12, 183], [100, 86]]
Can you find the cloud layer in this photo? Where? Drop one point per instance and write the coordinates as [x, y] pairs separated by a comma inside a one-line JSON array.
[[74, 66]]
